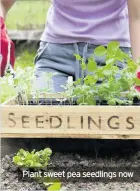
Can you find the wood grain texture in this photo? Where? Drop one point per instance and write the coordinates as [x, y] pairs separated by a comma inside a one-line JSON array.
[[102, 122]]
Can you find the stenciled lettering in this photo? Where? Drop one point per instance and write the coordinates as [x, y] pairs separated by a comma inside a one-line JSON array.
[[25, 120], [82, 122], [91, 120], [117, 124], [11, 120], [39, 121], [68, 121], [59, 122], [130, 122]]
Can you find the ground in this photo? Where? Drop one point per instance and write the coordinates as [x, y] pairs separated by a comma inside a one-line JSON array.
[[77, 154], [25, 53]]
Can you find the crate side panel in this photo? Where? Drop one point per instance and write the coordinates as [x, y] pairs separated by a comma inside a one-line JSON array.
[[71, 121]]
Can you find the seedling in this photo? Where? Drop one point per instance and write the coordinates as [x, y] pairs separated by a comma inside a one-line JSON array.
[[24, 85], [108, 82], [34, 159]]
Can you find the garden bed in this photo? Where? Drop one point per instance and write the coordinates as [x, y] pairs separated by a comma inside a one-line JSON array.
[[69, 121], [123, 157]]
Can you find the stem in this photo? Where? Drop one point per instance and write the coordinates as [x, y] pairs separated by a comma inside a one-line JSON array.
[[83, 99], [46, 97]]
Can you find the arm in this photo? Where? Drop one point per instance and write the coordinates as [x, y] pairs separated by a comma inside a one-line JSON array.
[[5, 5], [7, 49], [134, 23]]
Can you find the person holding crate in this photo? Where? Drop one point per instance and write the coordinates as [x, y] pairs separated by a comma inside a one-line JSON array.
[[78, 27]]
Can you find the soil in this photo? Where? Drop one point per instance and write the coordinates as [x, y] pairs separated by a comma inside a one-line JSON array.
[[85, 154], [54, 101]]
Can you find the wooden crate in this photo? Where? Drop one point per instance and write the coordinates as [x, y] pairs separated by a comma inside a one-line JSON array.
[[102, 122]]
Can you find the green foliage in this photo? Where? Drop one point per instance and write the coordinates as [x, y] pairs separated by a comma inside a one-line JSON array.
[[55, 187], [24, 84], [34, 159], [106, 83], [24, 68], [21, 84], [7, 90], [100, 51], [25, 59], [103, 83], [51, 184], [37, 160], [28, 15]]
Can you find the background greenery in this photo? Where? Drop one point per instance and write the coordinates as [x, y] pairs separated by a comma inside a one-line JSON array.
[[28, 14], [25, 59]]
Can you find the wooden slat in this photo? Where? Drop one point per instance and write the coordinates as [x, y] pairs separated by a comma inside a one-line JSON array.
[[103, 122], [76, 136], [14, 100]]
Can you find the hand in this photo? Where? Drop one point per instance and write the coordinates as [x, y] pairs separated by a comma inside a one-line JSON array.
[[7, 51], [138, 76], [138, 73]]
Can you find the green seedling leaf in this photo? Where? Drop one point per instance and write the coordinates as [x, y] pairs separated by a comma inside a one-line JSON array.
[[33, 152], [113, 46], [90, 79], [99, 73], [16, 159], [92, 65], [131, 65], [120, 102], [48, 151], [22, 152], [121, 56], [83, 65], [100, 51], [77, 91], [137, 82], [124, 84], [39, 159], [90, 100], [47, 183], [78, 57], [19, 164], [107, 72], [78, 81], [29, 163], [55, 187], [111, 102], [110, 61]]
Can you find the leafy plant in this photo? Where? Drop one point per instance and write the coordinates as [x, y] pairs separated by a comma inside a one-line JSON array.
[[27, 18], [34, 159], [25, 58], [106, 82], [7, 90], [24, 85], [37, 160], [56, 186]]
